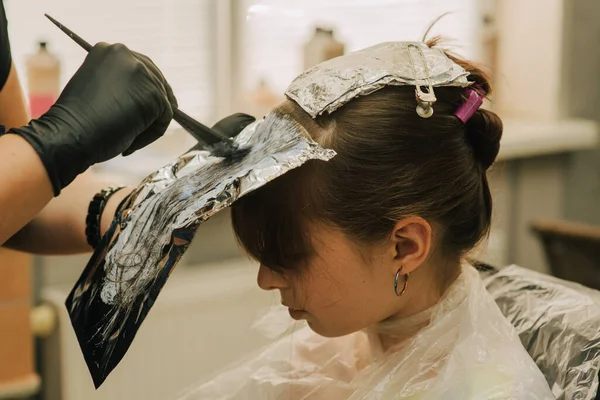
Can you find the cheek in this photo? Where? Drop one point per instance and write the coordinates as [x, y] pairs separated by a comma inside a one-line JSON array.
[[317, 291], [340, 297], [325, 284]]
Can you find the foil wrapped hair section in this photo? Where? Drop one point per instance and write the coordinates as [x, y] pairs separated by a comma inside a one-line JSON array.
[[151, 233], [333, 83]]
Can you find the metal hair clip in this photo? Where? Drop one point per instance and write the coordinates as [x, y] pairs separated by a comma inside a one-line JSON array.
[[425, 100]]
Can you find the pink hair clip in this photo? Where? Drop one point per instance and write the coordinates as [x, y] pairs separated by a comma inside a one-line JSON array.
[[471, 104]]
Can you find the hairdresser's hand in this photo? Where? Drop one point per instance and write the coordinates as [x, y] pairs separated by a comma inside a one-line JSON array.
[[117, 102], [230, 126]]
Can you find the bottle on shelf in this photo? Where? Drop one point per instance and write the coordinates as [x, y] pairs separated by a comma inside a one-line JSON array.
[[322, 46], [43, 77]]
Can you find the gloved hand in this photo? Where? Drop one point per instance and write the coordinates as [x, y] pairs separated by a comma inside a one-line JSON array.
[[230, 126], [117, 102]]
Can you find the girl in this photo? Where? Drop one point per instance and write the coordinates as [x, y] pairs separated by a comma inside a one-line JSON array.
[[369, 249]]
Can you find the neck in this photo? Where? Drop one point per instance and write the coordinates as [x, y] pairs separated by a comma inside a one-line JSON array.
[[426, 287]]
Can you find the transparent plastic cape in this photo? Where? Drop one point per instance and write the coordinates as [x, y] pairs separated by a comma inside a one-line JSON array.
[[156, 225], [559, 324], [462, 348]]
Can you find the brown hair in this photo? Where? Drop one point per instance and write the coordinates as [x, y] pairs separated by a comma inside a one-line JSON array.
[[390, 164]]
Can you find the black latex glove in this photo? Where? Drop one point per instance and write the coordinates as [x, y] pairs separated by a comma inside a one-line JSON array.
[[117, 102], [230, 126]]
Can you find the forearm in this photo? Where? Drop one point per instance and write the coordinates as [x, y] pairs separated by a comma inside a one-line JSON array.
[[13, 112], [60, 227], [24, 188]]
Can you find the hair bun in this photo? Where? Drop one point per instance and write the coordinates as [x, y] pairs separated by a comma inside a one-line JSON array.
[[484, 131]]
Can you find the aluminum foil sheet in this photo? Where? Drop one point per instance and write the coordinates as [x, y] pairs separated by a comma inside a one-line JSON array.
[[559, 325], [333, 83], [156, 225]]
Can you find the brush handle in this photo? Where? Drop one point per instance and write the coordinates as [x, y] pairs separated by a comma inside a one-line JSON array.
[[199, 131], [76, 38]]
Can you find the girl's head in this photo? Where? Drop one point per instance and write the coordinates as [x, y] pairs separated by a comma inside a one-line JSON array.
[[403, 193]]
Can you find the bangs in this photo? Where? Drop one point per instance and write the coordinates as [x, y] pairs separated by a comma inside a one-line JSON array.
[[272, 223]]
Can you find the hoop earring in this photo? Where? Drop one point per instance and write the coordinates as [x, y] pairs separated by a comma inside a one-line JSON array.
[[396, 283]]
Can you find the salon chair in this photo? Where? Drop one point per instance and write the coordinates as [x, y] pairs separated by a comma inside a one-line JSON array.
[[572, 250], [558, 323]]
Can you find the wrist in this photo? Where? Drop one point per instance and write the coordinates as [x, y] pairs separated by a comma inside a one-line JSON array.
[[31, 167], [96, 211], [62, 159], [111, 208]]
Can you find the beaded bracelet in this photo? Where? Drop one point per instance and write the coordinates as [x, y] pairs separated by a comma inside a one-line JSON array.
[[94, 215]]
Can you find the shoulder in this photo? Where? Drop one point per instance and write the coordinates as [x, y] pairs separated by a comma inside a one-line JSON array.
[[491, 382], [302, 363]]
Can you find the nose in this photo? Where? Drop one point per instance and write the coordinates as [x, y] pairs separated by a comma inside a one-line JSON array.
[[268, 279]]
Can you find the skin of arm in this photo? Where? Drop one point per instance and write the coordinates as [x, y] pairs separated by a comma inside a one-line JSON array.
[[33, 220]]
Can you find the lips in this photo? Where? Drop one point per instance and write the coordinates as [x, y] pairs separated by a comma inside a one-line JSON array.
[[295, 313]]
